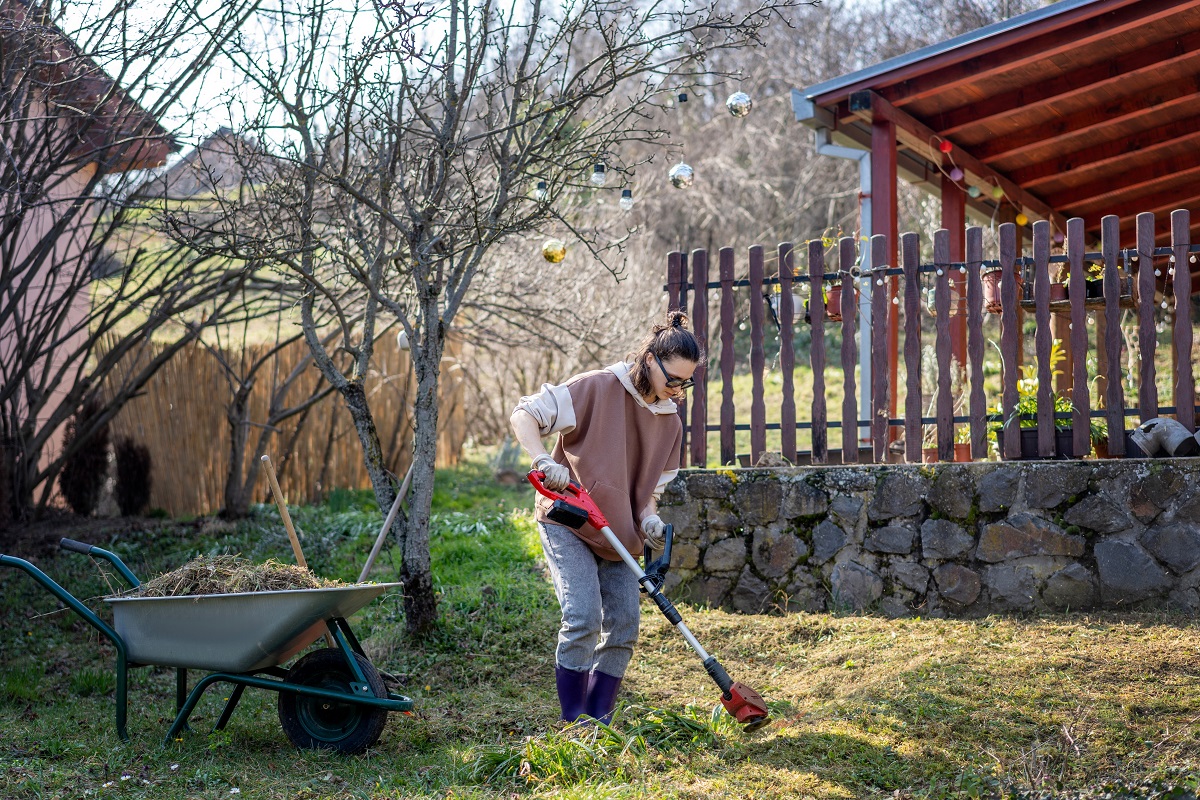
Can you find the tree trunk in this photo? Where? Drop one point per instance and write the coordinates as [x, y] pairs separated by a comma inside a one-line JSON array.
[[237, 494]]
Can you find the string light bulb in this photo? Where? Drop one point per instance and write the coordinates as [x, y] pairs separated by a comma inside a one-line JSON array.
[[945, 145], [1022, 220], [541, 193], [956, 174], [997, 192], [626, 201], [599, 175]]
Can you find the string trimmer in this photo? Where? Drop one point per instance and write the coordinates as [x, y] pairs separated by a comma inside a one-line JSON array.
[[576, 507]]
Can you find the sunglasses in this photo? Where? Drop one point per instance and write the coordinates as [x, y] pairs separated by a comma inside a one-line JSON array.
[[673, 382]]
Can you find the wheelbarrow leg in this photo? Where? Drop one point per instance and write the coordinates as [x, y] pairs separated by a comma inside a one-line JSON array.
[[181, 681], [234, 697]]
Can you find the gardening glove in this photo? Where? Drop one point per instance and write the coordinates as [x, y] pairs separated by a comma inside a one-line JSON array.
[[655, 530], [557, 477]]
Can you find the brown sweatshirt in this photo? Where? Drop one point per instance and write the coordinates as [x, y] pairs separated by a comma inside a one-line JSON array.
[[619, 449]]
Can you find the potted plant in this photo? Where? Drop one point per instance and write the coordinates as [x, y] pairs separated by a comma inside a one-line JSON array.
[[1058, 283], [833, 301], [990, 277], [1027, 408], [962, 443]]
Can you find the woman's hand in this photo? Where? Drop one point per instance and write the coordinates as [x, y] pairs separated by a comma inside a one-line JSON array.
[[558, 477], [655, 531]]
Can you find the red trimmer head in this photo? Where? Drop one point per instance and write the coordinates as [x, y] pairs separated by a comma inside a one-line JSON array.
[[746, 706]]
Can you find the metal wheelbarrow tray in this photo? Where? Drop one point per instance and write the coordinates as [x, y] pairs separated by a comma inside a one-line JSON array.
[[332, 698]]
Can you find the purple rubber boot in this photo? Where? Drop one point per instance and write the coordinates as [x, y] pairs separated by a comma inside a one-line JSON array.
[[572, 688], [602, 696]]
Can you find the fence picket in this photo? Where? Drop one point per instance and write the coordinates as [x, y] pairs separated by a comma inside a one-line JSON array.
[[1110, 234], [1147, 392], [848, 252], [758, 410], [914, 406], [700, 327], [787, 357], [1010, 338], [880, 309], [728, 452], [683, 404], [816, 353], [1080, 397], [941, 346], [1043, 338], [1185, 387], [978, 400]]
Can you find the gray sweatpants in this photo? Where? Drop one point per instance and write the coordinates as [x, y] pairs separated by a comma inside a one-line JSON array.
[[599, 600]]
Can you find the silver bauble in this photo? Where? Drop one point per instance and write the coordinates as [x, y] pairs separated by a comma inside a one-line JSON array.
[[681, 175], [739, 104]]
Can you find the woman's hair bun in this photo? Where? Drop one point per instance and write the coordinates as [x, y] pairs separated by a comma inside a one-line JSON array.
[[677, 319]]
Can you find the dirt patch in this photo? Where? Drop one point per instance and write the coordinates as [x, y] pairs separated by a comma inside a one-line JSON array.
[[40, 539]]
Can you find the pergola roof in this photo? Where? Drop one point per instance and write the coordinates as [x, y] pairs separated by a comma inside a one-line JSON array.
[[1082, 108]]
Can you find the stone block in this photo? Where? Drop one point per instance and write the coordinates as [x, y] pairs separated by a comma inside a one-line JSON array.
[[711, 590], [1176, 544], [942, 540], [686, 519], [1011, 587], [1152, 492], [827, 540], [1188, 508], [1128, 574], [728, 555], [952, 492], [1026, 535], [896, 539], [751, 594], [1100, 513], [899, 494], [957, 584], [998, 488], [910, 575], [684, 555], [846, 510], [895, 607], [1049, 485], [855, 586], [801, 499], [710, 485], [805, 593], [758, 501], [721, 518], [1071, 588], [675, 492], [775, 552]]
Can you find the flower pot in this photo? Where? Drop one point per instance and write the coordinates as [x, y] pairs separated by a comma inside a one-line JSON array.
[[962, 451], [1094, 289], [833, 304], [929, 455], [991, 291], [1064, 443], [1058, 291]]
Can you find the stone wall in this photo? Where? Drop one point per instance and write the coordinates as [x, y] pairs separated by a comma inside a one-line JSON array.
[[939, 540]]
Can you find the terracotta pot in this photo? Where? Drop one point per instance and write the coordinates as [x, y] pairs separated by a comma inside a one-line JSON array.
[[833, 304], [929, 455], [962, 451], [1058, 291], [991, 292]]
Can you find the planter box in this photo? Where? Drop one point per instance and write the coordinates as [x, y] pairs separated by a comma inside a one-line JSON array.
[[1064, 444]]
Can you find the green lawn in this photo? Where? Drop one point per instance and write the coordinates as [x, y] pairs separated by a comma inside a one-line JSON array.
[[863, 706]]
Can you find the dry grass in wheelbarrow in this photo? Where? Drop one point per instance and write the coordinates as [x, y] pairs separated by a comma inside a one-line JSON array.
[[228, 574]]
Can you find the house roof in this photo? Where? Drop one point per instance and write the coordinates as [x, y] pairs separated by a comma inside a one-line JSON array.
[[1082, 108], [120, 129]]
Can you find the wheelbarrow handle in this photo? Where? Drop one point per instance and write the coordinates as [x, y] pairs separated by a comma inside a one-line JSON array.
[[75, 547], [91, 550]]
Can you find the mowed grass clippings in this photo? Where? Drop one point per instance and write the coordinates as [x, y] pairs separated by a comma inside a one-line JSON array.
[[230, 574]]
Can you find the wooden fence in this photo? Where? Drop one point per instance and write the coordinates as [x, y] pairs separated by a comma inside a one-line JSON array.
[[1140, 278], [181, 418]]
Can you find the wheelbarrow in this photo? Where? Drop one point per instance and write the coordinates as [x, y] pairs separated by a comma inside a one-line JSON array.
[[332, 698]]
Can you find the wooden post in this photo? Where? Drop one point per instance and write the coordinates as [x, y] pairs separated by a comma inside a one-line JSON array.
[[848, 252], [1080, 396], [683, 405], [758, 413], [700, 327], [728, 446], [1147, 391], [1044, 338], [941, 346], [816, 352], [883, 221], [978, 400], [881, 313], [787, 357], [1010, 338], [1110, 237], [954, 220], [1185, 387], [675, 278], [914, 405]]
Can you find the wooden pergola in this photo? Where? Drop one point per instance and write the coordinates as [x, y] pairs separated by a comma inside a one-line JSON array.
[[1083, 108]]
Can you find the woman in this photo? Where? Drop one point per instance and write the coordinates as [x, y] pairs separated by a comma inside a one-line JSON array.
[[618, 436]]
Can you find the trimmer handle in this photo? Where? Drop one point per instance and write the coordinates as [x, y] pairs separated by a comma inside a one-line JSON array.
[[574, 495], [657, 569]]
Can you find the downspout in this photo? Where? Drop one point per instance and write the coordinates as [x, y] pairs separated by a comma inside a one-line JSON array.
[[826, 147]]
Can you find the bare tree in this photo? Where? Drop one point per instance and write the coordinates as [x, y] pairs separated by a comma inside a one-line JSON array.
[[85, 281], [414, 137]]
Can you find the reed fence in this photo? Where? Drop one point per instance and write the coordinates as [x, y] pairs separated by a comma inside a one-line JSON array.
[[1140, 278], [181, 418]]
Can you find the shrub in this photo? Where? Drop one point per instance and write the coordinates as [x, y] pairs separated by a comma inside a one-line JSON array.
[[84, 471], [133, 476]]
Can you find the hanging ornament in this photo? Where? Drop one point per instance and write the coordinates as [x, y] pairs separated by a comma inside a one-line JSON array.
[[682, 98], [1058, 237], [541, 193], [945, 145], [739, 104], [599, 176], [554, 251], [974, 191], [997, 192], [626, 201], [956, 174], [1022, 220], [681, 175]]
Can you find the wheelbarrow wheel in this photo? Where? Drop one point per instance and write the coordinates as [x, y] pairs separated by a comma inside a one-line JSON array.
[[316, 723]]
